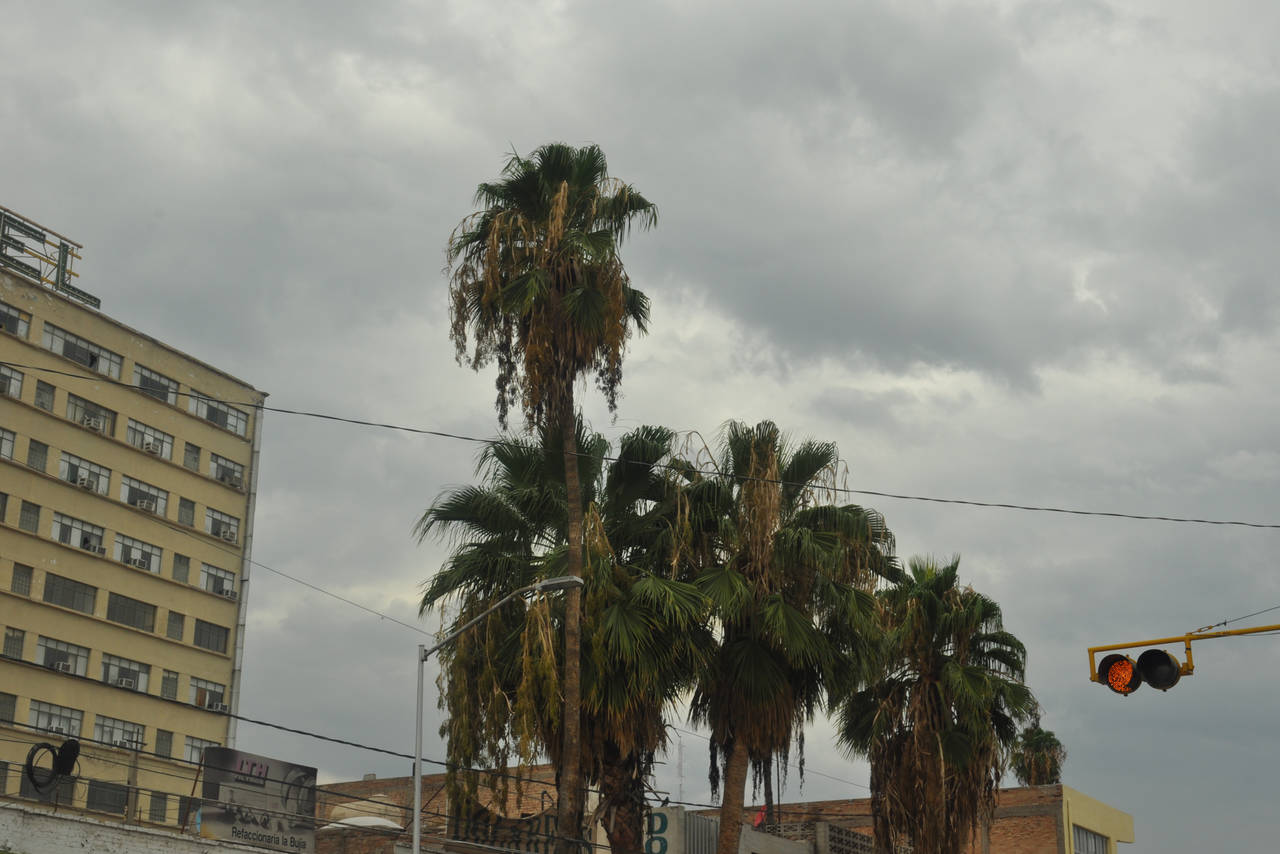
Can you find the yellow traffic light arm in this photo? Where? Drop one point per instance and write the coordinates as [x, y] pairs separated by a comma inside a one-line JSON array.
[[1187, 668]]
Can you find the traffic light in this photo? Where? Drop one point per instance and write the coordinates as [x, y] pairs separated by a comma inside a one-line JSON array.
[[1123, 675]]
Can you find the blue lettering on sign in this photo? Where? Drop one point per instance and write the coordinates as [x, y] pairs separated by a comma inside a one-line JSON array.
[[657, 841]]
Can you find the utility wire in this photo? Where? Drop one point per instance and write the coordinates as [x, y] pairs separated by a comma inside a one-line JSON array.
[[1000, 505], [792, 765]]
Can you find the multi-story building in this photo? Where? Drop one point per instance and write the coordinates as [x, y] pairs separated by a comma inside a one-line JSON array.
[[127, 483]]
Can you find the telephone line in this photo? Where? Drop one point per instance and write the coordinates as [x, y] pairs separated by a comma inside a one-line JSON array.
[[998, 505]]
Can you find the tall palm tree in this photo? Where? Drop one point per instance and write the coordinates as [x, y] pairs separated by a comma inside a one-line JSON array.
[[644, 635], [789, 580], [1037, 756], [937, 720], [537, 285]]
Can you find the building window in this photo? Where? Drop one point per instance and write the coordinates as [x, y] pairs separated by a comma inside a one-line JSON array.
[[44, 395], [186, 512], [204, 692], [131, 612], [164, 743], [181, 568], [29, 517], [84, 474], [88, 414], [149, 439], [221, 525], [4, 506], [57, 719], [6, 444], [144, 496], [8, 707], [177, 624], [157, 385], [191, 456], [195, 749], [37, 455], [13, 321], [10, 381], [210, 636], [218, 413], [217, 580], [62, 793], [226, 471], [118, 733], [14, 641], [69, 594], [1088, 842], [169, 685], [78, 533], [87, 353], [21, 583], [138, 554], [126, 673], [62, 656], [158, 810], [107, 797]]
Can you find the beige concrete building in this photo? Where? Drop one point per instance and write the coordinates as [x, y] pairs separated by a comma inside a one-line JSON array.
[[127, 474]]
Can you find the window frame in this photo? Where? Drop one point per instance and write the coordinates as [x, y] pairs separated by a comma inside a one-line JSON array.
[[96, 357]]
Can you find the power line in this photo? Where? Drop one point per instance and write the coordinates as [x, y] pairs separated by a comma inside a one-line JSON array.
[[792, 765], [999, 505]]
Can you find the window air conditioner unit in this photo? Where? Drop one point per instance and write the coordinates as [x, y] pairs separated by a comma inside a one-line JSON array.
[[57, 729], [229, 478], [126, 683], [91, 546], [152, 447], [215, 706], [125, 743], [63, 667], [93, 422], [147, 504], [229, 593], [87, 481], [227, 534], [141, 563]]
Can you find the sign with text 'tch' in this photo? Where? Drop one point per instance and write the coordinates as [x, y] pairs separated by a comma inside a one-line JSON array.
[[258, 801]]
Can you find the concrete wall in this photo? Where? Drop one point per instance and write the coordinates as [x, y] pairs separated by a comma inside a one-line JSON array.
[[24, 830]]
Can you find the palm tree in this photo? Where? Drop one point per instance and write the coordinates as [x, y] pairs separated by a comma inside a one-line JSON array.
[[940, 714], [536, 281], [1037, 756], [644, 636], [789, 581]]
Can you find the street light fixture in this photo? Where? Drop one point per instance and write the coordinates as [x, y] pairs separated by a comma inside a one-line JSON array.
[[550, 585]]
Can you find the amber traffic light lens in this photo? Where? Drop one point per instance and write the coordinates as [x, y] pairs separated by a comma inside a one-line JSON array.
[[1120, 674], [1159, 669]]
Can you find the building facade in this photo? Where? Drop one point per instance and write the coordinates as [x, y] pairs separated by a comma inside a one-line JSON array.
[[1052, 819], [127, 485]]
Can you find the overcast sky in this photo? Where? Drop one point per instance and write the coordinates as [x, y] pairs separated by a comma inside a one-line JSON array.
[[1010, 251]]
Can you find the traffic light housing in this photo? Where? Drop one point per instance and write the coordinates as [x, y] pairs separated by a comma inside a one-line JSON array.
[[1123, 675]]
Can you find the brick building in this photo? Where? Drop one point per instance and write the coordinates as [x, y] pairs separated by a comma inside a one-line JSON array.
[[1052, 819]]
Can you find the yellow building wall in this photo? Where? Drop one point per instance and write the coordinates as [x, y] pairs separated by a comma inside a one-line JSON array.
[[1080, 809], [27, 679]]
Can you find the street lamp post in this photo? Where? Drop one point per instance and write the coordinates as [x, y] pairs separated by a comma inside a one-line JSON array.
[[550, 585]]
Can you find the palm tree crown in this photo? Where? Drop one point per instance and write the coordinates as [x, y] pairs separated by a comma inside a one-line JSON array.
[[940, 713], [789, 579], [536, 280], [1037, 756]]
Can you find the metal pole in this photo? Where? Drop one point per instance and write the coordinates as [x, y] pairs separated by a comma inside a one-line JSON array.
[[417, 759]]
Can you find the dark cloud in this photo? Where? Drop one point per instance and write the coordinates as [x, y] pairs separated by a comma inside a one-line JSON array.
[[1015, 252]]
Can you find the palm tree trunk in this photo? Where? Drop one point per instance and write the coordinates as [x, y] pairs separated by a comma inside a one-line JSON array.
[[621, 789], [569, 802], [735, 789], [770, 815]]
